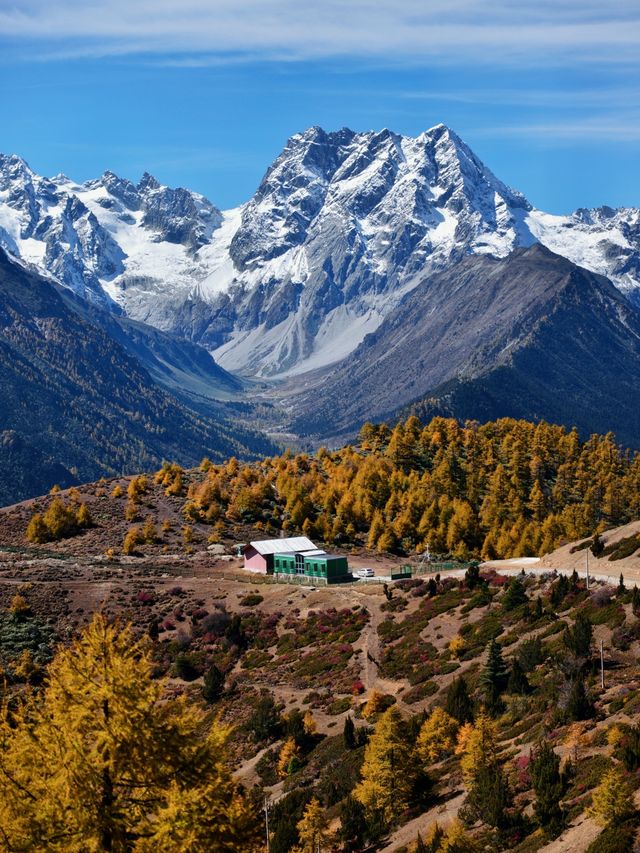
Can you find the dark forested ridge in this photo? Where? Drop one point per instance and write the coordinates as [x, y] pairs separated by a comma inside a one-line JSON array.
[[527, 336], [76, 404]]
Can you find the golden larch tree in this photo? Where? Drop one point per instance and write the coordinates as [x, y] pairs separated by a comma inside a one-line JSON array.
[[102, 761], [388, 770]]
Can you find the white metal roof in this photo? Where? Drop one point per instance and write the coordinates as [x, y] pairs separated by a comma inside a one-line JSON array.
[[283, 546]]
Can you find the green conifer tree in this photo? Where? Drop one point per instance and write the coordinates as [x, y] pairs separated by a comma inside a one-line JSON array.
[[518, 682], [494, 678], [579, 705], [459, 704], [548, 786], [349, 733]]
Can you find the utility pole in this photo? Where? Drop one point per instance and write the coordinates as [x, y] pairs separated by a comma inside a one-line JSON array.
[[266, 821], [587, 568], [602, 664]]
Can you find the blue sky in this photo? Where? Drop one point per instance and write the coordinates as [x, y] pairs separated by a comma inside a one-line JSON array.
[[204, 93]]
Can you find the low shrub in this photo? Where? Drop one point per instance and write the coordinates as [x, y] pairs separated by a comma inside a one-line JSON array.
[[251, 600], [615, 839]]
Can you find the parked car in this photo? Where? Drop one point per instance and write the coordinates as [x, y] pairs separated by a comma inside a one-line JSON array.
[[365, 573]]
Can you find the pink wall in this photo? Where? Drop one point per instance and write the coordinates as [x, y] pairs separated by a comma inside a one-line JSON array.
[[254, 562]]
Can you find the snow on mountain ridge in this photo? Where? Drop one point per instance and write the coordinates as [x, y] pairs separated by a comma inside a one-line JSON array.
[[340, 228]]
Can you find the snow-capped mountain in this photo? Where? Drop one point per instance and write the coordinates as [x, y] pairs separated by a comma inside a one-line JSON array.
[[341, 227]]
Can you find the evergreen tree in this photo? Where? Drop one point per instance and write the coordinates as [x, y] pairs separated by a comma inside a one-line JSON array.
[[518, 682], [539, 611], [515, 595], [472, 577], [548, 786], [621, 587], [459, 704], [353, 824], [213, 684], [349, 733], [579, 705], [530, 654], [597, 545], [265, 721], [578, 639], [559, 591], [489, 797], [629, 749], [294, 726], [92, 763], [494, 677], [635, 599], [284, 816]]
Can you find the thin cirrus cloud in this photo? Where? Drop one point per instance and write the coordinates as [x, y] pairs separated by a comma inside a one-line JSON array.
[[495, 32]]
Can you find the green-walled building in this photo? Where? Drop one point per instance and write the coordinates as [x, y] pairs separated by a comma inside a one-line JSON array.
[[330, 568]]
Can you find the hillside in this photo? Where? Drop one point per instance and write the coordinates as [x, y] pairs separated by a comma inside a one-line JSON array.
[[502, 489], [313, 678], [78, 403], [348, 653], [527, 336]]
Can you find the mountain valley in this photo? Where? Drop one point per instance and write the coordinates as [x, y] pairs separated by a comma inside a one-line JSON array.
[[369, 276]]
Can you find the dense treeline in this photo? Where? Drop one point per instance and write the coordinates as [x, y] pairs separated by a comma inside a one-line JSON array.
[[497, 490]]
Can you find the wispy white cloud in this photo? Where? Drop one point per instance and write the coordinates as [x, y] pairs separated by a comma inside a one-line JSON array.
[[607, 96], [498, 32], [619, 128]]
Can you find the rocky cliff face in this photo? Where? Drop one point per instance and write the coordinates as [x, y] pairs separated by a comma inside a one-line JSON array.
[[342, 226]]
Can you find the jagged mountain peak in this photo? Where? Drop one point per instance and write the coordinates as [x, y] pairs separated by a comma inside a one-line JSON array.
[[148, 182], [342, 225], [14, 161]]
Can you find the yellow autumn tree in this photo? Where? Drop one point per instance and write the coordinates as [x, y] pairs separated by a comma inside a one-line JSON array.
[[388, 770], [37, 530], [19, 606], [101, 760], [310, 725], [373, 705], [312, 828], [437, 737], [612, 800], [480, 746], [457, 645], [289, 757], [456, 840]]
